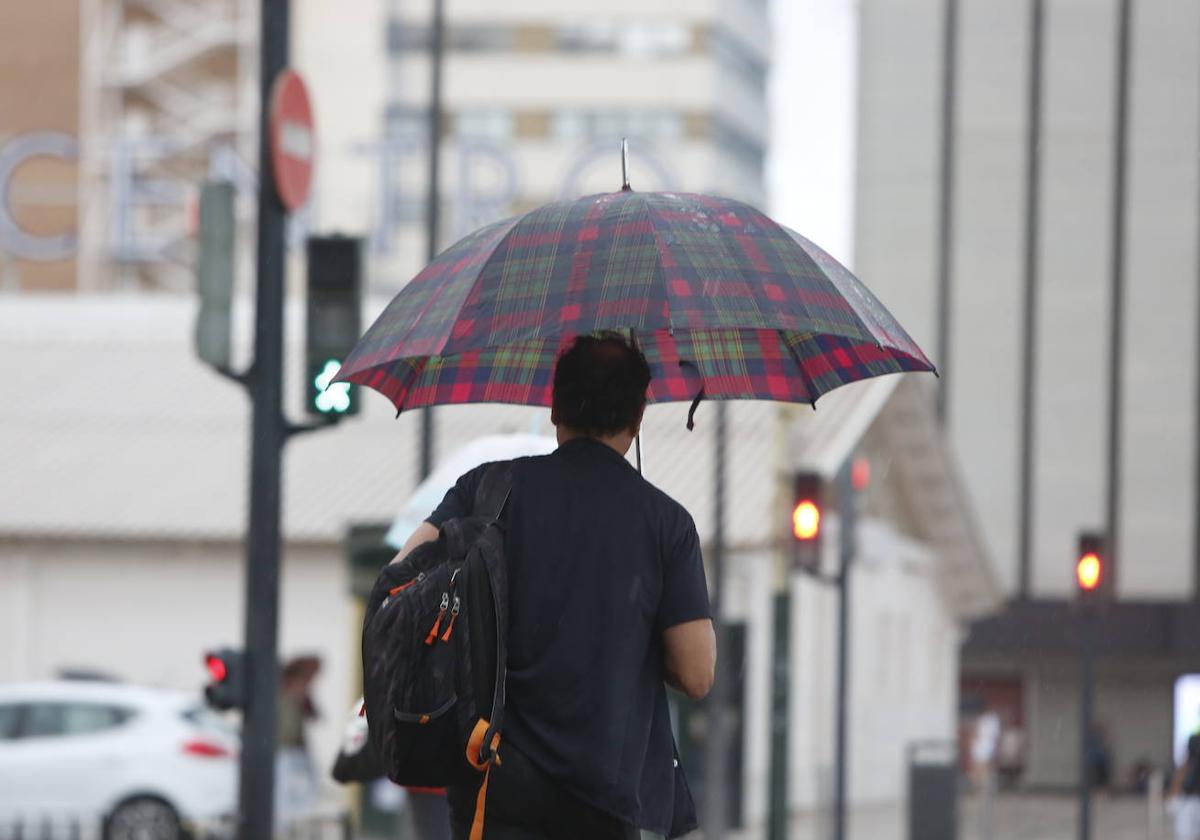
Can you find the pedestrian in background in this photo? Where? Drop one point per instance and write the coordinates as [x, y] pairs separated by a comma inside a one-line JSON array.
[[295, 775], [1185, 793]]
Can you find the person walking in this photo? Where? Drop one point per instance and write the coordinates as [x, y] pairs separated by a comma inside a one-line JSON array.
[[295, 776], [1185, 793], [607, 602]]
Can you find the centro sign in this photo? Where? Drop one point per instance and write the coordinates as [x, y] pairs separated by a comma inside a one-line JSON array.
[[13, 154]]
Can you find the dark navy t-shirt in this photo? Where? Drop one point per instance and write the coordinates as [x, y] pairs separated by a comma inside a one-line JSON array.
[[600, 563]]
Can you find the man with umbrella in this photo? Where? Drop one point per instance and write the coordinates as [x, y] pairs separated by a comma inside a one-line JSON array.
[[608, 600], [676, 297]]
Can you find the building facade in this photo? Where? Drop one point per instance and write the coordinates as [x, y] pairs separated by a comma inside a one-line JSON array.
[[144, 99], [536, 100], [954, 233]]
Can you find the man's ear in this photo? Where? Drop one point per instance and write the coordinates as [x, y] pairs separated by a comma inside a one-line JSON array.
[[553, 416], [636, 428]]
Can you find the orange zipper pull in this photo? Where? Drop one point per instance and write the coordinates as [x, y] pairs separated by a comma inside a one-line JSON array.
[[453, 617], [437, 624]]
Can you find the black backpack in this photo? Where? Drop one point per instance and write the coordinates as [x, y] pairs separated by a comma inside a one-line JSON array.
[[434, 648]]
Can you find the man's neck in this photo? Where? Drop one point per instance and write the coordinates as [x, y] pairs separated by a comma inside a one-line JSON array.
[[620, 442]]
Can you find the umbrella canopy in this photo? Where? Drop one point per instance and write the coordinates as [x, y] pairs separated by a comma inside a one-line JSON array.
[[723, 301]]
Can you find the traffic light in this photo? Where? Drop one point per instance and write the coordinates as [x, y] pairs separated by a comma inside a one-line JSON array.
[[214, 274], [1093, 576], [333, 322], [226, 688], [807, 512]]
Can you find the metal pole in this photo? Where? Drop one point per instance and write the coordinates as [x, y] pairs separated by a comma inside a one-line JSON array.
[[257, 784], [846, 526], [1117, 296], [1196, 453], [716, 754], [946, 204], [1087, 688], [777, 828], [1029, 329], [433, 203]]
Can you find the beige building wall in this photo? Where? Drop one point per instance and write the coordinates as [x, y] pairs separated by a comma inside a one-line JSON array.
[[39, 92]]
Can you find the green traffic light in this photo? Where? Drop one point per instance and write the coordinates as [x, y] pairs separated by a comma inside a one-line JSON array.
[[335, 398]]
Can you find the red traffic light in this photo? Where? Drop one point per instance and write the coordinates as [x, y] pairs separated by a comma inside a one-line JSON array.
[[1089, 571], [216, 667], [806, 520]]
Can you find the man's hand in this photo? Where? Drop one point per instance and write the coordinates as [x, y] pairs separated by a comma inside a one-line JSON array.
[[424, 533], [691, 657]]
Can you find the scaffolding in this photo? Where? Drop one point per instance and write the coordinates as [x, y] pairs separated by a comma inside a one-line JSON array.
[[168, 97]]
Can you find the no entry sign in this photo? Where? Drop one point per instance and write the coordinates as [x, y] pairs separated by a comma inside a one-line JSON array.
[[293, 139]]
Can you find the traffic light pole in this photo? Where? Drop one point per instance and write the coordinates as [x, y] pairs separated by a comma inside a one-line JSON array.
[[1087, 693], [846, 528], [268, 433], [433, 198]]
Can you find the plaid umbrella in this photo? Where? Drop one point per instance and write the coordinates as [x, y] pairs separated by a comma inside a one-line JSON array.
[[724, 302]]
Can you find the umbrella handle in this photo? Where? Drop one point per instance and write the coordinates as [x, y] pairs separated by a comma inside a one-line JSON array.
[[637, 439]]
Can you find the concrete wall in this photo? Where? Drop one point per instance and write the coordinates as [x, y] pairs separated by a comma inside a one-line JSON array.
[[898, 158]]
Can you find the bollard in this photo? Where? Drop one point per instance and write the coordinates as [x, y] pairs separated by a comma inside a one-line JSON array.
[[987, 810], [1155, 808]]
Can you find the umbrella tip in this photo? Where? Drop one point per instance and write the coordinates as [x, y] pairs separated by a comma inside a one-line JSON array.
[[625, 165]]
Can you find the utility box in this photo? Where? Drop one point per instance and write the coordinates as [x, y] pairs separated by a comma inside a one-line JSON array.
[[933, 790]]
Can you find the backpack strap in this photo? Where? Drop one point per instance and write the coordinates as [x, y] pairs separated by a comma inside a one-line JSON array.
[[491, 499], [491, 496]]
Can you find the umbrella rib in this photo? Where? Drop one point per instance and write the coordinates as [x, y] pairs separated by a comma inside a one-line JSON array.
[[516, 220], [808, 382]]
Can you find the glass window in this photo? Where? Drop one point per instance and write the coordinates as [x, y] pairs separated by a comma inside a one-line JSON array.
[[735, 57], [485, 122], [10, 717], [409, 37], [480, 38], [407, 121], [594, 125], [654, 39], [735, 143], [593, 36], [45, 720]]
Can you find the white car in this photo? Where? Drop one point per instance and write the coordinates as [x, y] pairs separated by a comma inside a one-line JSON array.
[[131, 762]]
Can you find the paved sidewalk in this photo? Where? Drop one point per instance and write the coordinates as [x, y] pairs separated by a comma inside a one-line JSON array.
[[1014, 817], [1041, 817]]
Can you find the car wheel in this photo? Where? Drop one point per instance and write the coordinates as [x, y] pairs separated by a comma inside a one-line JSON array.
[[144, 818]]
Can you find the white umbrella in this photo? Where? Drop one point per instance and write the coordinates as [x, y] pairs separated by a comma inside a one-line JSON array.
[[429, 492]]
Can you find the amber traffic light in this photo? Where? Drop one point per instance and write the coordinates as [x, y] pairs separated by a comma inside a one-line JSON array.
[[1093, 575], [807, 513]]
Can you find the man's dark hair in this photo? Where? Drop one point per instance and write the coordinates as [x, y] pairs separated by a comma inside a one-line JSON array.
[[600, 385]]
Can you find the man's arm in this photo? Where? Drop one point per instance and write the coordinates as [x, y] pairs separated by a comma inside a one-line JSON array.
[[425, 533], [457, 502], [691, 657]]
